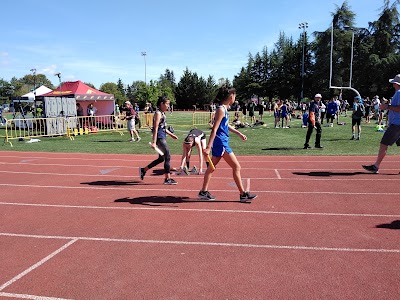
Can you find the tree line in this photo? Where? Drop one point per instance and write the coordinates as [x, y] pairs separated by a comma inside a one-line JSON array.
[[371, 54]]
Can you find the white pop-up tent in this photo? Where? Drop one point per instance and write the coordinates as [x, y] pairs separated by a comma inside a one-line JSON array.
[[41, 90]]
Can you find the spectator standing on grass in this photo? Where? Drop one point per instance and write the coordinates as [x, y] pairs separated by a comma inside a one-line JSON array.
[[130, 115], [285, 114], [160, 132], [261, 108], [137, 116], [339, 111], [277, 113], [251, 107], [368, 108], [244, 111], [91, 112], [376, 103], [392, 134], [323, 111], [314, 122], [331, 112], [356, 117], [79, 114]]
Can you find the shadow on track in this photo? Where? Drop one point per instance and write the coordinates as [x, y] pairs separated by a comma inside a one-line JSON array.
[[328, 174], [394, 225], [159, 200], [113, 183]]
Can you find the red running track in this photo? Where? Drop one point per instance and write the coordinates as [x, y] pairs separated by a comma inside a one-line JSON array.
[[78, 226]]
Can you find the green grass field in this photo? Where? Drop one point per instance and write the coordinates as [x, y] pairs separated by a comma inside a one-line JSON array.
[[262, 140]]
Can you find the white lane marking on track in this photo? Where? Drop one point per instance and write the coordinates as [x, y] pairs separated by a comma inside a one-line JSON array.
[[38, 264], [106, 171], [198, 243], [188, 190], [277, 174], [220, 168], [25, 296], [323, 178], [288, 159], [202, 210]]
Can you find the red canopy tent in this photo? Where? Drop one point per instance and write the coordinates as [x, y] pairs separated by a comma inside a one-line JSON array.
[[85, 95], [80, 91]]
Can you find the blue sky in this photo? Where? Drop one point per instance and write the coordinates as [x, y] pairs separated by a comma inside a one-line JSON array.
[[101, 41]]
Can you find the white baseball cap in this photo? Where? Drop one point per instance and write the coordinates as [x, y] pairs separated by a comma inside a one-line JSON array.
[[317, 96]]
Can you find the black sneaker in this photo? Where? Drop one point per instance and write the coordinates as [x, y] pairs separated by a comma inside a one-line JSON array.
[[352, 138], [170, 181], [307, 147], [142, 173], [247, 197], [371, 168], [206, 195], [319, 147]]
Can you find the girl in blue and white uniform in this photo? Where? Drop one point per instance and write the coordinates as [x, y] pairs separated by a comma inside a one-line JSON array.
[[219, 141]]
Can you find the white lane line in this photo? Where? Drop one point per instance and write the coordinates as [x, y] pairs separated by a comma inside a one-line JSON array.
[[38, 264], [277, 174], [218, 244], [25, 296], [135, 188], [262, 159], [202, 210], [220, 168], [312, 178]]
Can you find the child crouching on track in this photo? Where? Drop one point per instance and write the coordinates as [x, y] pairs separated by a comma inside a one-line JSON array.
[[219, 140], [160, 132]]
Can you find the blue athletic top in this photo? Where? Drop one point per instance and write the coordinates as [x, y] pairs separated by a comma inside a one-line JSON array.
[[332, 108], [162, 126], [394, 117], [222, 134], [284, 110]]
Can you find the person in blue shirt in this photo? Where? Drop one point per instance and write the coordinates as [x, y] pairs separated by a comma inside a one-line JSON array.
[[219, 140], [332, 110], [392, 134], [356, 116], [314, 121]]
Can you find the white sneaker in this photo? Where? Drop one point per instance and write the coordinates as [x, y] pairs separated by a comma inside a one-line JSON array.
[[138, 139]]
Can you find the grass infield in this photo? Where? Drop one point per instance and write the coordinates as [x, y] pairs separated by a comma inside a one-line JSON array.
[[262, 140]]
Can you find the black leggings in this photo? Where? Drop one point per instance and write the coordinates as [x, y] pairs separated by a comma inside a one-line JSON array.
[[166, 158]]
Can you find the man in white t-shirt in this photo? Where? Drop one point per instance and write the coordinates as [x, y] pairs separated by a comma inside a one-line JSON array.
[[339, 104], [376, 103]]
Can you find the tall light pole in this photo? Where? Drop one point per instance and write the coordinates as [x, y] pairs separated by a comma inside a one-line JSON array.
[[303, 26], [144, 56], [34, 82]]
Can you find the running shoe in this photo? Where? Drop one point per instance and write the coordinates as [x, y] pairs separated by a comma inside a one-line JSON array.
[[170, 181], [142, 173], [205, 195], [194, 170], [185, 170], [371, 168], [138, 139], [246, 196]]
